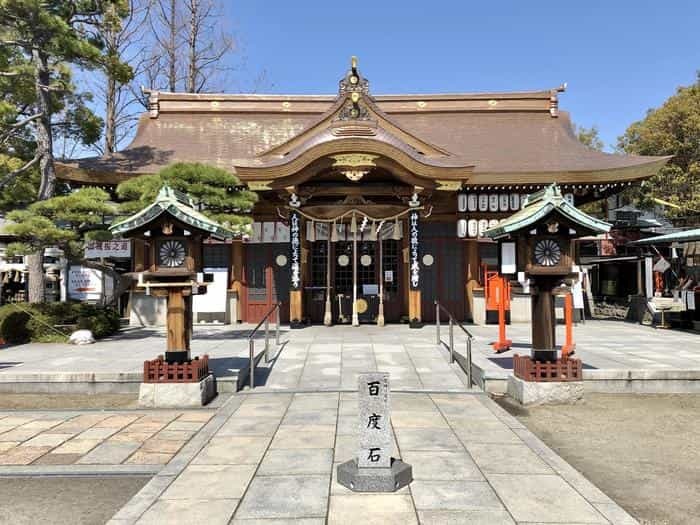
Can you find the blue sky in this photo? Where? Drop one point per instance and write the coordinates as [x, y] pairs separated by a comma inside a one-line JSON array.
[[618, 57]]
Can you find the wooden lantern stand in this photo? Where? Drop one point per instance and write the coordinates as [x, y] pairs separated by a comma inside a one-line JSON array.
[[539, 239], [172, 230]]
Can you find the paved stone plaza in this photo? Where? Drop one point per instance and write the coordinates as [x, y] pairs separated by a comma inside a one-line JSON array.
[[322, 358], [271, 458], [80, 442], [269, 455]]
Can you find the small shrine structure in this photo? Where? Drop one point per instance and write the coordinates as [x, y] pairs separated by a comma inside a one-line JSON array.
[[172, 231], [537, 242]]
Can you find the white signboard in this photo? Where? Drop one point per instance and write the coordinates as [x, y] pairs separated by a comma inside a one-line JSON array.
[[214, 301], [508, 258], [118, 248], [85, 284]]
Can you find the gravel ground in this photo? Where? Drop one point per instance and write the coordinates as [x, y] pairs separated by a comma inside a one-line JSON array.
[[65, 501], [67, 401], [641, 450]]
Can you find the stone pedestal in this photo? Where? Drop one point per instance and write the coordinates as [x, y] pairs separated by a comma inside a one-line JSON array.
[[178, 395], [390, 479], [545, 393]]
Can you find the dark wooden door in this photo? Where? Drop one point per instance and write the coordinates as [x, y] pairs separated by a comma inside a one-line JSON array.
[[443, 279], [266, 281]]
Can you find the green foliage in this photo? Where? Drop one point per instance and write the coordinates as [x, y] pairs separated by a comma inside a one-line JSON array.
[[37, 322], [59, 221], [40, 107], [672, 129], [215, 191], [589, 137], [13, 325]]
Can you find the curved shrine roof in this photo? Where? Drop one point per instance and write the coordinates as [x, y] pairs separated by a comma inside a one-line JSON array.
[[482, 138]]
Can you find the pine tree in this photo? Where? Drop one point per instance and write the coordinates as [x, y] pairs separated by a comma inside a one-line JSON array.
[[217, 192]]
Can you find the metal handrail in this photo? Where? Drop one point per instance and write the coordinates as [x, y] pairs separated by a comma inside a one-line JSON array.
[[251, 340], [452, 321]]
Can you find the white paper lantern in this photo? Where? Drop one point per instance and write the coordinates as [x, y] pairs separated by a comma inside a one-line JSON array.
[[493, 202], [483, 226], [514, 201], [483, 202], [462, 228], [569, 197], [522, 200], [473, 227], [503, 201], [493, 222], [462, 202], [472, 202]]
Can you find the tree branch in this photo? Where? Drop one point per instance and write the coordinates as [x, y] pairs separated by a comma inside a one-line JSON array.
[[11, 176]]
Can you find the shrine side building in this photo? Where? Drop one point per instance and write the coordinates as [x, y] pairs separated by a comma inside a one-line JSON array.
[[351, 172]]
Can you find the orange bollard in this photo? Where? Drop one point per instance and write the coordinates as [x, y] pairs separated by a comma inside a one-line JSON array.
[[569, 347], [502, 344]]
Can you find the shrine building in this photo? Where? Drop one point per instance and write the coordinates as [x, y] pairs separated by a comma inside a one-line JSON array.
[[387, 196]]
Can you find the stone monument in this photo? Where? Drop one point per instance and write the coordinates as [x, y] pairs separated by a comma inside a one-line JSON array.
[[374, 470]]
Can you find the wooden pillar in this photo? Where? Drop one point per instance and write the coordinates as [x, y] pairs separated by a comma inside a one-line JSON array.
[[471, 256], [236, 278], [139, 255], [543, 320], [178, 326]]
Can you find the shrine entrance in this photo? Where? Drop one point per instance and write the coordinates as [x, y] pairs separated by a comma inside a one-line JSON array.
[[375, 265], [267, 281]]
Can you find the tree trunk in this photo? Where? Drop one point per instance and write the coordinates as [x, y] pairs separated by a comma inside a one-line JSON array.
[[172, 71], [110, 116], [44, 136], [35, 265], [192, 44]]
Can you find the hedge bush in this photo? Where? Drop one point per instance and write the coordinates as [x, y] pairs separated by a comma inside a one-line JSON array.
[[18, 326], [13, 326]]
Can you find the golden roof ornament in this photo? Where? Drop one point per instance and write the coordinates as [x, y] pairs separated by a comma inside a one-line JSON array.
[[353, 80]]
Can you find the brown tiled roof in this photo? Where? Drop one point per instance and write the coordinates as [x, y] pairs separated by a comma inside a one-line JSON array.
[[499, 138]]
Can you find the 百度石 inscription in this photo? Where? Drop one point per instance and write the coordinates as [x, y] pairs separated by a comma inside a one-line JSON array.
[[374, 420], [374, 470]]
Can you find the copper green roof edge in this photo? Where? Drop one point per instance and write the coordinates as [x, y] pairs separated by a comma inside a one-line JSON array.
[[540, 205], [167, 203], [682, 236]]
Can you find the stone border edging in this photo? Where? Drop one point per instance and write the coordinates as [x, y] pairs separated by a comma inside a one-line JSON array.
[[150, 492], [599, 500], [78, 470]]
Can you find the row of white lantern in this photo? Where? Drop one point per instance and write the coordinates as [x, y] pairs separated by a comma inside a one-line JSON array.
[[494, 202], [474, 227]]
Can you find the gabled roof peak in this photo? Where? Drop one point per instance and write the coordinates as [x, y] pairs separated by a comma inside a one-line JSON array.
[[541, 204]]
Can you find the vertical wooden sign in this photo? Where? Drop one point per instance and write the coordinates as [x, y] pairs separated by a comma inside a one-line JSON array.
[[295, 249], [414, 249]]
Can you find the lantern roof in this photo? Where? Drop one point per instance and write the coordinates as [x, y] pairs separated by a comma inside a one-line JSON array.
[[178, 205], [540, 205]]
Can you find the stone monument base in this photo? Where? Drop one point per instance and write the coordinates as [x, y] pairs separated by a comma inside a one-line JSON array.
[[545, 393], [178, 395], [371, 479]]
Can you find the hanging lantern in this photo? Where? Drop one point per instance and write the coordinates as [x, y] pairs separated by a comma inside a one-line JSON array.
[[396, 235], [462, 202], [462, 228], [334, 232]]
